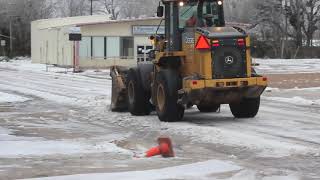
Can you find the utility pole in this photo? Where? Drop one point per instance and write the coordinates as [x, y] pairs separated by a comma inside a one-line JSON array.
[[91, 9], [299, 33], [10, 32], [285, 5], [282, 6], [3, 44], [91, 6], [10, 15]]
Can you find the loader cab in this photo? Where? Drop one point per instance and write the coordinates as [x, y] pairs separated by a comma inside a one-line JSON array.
[[201, 14], [185, 14]]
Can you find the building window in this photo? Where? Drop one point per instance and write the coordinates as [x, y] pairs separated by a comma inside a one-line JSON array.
[[127, 47], [113, 47], [85, 47], [98, 47], [107, 47]]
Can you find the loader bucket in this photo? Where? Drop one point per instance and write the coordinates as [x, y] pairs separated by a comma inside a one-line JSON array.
[[119, 102]]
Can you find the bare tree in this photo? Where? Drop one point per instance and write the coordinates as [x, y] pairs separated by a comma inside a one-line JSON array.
[[311, 12], [295, 14], [270, 18], [69, 8], [111, 7], [304, 16], [240, 10], [20, 14], [138, 8]]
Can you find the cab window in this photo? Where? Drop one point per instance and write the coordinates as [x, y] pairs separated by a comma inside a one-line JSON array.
[[188, 15], [211, 14]]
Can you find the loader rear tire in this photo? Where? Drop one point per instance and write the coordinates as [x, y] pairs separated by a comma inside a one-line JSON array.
[[247, 108], [138, 98], [168, 83], [208, 108]]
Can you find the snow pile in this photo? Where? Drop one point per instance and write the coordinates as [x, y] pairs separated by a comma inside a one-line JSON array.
[[74, 89], [270, 89], [295, 100], [43, 94], [37, 147], [252, 175], [100, 74], [200, 170], [295, 96], [251, 137], [25, 64], [266, 147], [4, 134], [10, 98], [284, 66], [4, 58], [14, 146]]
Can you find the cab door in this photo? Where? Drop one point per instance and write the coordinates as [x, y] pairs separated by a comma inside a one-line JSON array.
[[145, 65], [143, 53]]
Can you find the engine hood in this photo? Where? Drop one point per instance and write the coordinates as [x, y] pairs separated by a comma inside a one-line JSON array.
[[222, 32]]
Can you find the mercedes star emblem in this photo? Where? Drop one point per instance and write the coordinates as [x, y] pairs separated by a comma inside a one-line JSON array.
[[229, 60]]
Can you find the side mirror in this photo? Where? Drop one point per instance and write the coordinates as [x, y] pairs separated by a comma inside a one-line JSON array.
[[160, 11]]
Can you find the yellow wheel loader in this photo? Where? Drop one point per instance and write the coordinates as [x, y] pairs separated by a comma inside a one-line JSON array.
[[198, 61]]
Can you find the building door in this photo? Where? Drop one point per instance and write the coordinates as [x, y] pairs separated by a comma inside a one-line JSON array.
[[143, 52]]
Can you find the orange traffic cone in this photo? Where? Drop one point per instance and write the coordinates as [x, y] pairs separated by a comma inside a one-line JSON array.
[[164, 148]]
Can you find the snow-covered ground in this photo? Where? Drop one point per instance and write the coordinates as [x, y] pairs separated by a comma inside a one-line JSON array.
[[25, 64], [284, 66], [265, 66], [16, 146], [10, 98], [59, 124], [200, 170], [296, 96]]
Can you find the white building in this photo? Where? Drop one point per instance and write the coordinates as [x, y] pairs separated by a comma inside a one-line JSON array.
[[104, 42]]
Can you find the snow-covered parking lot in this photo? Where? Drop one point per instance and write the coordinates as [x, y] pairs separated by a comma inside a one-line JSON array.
[[285, 66], [59, 126]]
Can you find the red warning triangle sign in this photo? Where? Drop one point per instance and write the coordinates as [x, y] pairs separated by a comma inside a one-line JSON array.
[[202, 43]]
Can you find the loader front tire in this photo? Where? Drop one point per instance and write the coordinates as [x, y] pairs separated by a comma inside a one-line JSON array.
[[119, 100], [246, 108], [208, 108], [138, 98], [167, 85]]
